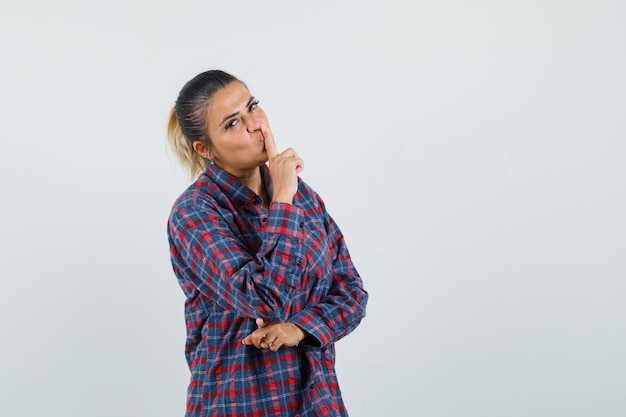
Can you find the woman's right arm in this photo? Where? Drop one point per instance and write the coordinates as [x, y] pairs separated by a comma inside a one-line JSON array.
[[208, 257]]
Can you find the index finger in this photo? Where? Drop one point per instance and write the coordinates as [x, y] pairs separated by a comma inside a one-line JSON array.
[[270, 145], [255, 338]]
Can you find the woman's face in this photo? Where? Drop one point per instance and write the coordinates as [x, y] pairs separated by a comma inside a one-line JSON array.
[[234, 126]]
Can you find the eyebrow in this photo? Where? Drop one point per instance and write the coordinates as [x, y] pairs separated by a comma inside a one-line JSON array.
[[230, 116]]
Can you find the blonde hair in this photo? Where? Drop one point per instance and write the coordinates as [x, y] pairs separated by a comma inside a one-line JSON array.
[[183, 148]]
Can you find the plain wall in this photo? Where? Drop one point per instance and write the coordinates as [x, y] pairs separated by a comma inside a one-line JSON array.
[[471, 151]]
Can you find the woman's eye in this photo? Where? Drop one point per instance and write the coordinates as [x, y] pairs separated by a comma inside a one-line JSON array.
[[231, 123], [253, 105]]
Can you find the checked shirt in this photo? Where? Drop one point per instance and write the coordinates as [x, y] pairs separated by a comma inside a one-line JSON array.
[[236, 261]]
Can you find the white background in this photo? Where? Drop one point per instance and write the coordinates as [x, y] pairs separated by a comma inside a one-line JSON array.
[[471, 151]]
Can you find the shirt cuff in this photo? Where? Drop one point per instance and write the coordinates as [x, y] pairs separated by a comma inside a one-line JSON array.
[[317, 331]]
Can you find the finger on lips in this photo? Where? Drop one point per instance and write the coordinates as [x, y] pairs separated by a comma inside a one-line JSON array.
[[270, 145]]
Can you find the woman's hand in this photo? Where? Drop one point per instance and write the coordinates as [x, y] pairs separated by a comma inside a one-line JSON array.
[[274, 336], [284, 168]]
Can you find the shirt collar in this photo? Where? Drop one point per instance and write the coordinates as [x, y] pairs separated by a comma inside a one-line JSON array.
[[234, 189]]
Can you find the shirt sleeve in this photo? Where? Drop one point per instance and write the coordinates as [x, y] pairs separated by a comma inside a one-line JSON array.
[[208, 257], [343, 308]]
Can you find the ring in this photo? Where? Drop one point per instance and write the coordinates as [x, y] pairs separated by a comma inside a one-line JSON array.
[[270, 344]]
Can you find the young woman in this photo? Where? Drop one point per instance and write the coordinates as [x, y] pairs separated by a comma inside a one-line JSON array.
[[269, 282]]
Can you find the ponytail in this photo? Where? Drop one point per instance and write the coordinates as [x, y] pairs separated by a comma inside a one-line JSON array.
[[182, 147]]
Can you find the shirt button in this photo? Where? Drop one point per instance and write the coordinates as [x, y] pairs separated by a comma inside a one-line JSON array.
[[264, 219], [302, 225], [299, 262]]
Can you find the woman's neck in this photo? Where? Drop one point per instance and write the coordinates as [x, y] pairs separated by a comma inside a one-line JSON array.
[[254, 181]]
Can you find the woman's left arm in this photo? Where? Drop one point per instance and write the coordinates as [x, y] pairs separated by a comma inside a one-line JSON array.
[[343, 308]]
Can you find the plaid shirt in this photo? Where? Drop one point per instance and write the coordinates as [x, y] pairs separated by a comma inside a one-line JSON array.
[[237, 261]]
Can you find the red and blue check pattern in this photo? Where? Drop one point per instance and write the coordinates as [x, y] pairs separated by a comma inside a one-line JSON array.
[[236, 261]]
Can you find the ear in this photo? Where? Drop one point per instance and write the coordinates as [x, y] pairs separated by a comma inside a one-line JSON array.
[[202, 149]]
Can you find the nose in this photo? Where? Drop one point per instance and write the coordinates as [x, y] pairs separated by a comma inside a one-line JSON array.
[[252, 123]]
